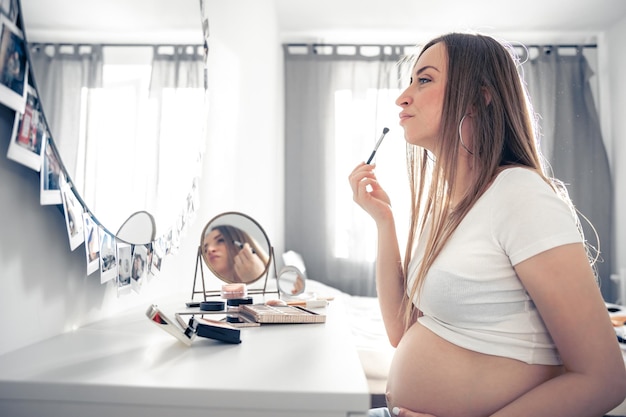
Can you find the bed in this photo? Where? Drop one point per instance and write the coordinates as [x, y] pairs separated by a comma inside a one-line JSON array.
[[368, 330]]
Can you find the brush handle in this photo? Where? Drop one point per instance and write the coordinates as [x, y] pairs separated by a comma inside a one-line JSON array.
[[371, 157], [382, 136]]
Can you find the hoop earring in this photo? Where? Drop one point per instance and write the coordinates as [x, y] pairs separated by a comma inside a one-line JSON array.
[[461, 136]]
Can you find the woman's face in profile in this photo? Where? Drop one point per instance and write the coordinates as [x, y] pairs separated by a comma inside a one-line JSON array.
[[215, 252], [422, 101]]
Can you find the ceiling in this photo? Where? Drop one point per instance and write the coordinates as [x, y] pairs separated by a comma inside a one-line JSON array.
[[357, 21], [403, 20]]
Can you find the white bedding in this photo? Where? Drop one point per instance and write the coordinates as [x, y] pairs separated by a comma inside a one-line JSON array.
[[368, 330]]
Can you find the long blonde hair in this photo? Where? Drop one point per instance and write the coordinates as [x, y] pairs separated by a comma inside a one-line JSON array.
[[482, 75]]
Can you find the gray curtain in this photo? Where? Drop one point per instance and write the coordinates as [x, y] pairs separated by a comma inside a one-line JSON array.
[[571, 140], [314, 179]]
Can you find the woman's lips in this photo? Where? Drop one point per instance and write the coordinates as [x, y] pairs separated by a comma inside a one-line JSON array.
[[404, 116]]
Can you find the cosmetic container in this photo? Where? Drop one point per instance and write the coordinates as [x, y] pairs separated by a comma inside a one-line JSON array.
[[231, 291]]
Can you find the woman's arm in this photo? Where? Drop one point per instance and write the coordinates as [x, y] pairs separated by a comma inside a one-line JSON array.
[[390, 281], [562, 285], [368, 194]]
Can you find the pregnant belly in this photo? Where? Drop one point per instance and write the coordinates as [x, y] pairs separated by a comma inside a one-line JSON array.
[[431, 375]]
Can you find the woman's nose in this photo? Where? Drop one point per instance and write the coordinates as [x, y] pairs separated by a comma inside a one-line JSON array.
[[404, 99]]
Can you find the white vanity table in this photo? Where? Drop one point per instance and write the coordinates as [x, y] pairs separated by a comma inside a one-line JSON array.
[[126, 366]]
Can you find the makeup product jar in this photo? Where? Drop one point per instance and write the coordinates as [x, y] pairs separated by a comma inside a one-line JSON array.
[[231, 291]]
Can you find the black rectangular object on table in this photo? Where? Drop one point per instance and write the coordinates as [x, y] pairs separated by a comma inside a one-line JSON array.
[[215, 330]]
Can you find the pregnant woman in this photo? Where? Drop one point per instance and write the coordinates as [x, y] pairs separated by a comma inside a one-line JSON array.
[[495, 310]]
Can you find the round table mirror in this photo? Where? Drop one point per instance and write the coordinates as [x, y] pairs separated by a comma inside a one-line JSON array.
[[235, 248], [291, 281]]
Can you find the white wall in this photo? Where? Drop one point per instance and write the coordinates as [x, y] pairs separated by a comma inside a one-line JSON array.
[[44, 289], [243, 169], [616, 49]]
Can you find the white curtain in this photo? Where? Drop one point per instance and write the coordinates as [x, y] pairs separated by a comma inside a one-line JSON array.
[[61, 72], [338, 100], [129, 130], [177, 94]]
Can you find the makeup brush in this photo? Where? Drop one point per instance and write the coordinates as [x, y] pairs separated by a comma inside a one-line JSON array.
[[240, 245], [385, 130]]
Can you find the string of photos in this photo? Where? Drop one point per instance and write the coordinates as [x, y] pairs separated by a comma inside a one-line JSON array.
[[128, 266]]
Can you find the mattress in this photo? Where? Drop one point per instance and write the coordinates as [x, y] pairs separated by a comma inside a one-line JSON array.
[[370, 338]]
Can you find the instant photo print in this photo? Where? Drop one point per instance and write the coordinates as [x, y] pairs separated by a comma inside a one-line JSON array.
[[186, 332], [124, 260], [139, 267], [51, 176], [28, 134], [73, 216], [92, 242], [13, 65], [149, 255], [108, 257], [157, 257]]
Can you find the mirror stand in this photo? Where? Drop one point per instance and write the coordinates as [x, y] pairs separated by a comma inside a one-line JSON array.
[[213, 293]]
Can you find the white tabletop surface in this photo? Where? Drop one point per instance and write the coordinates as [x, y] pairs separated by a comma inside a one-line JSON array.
[[128, 366]]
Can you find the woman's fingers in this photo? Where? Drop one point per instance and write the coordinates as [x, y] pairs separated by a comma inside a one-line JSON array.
[[360, 177], [357, 175], [403, 412]]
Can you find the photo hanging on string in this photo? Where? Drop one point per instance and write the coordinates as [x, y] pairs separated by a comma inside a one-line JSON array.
[[92, 242], [157, 256], [124, 260], [51, 175], [108, 257], [28, 133], [13, 66], [138, 267], [73, 216]]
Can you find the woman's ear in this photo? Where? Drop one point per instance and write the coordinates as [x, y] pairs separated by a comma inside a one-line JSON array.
[[486, 95]]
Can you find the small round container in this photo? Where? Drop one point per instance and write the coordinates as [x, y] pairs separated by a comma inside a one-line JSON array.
[[212, 305], [234, 303], [232, 309], [231, 291]]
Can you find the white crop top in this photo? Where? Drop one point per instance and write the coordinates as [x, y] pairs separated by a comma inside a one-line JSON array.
[[472, 296]]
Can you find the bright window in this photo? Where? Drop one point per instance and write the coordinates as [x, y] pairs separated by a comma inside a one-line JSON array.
[[356, 117], [123, 157]]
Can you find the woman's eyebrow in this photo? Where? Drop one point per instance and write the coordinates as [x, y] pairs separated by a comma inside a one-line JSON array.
[[424, 68]]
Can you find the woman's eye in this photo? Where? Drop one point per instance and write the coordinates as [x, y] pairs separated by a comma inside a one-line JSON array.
[[420, 81]]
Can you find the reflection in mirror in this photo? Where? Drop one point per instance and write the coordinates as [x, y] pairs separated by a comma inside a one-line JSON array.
[[291, 281], [235, 248], [122, 89]]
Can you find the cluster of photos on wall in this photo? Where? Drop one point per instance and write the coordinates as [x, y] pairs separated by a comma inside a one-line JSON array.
[[127, 265]]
